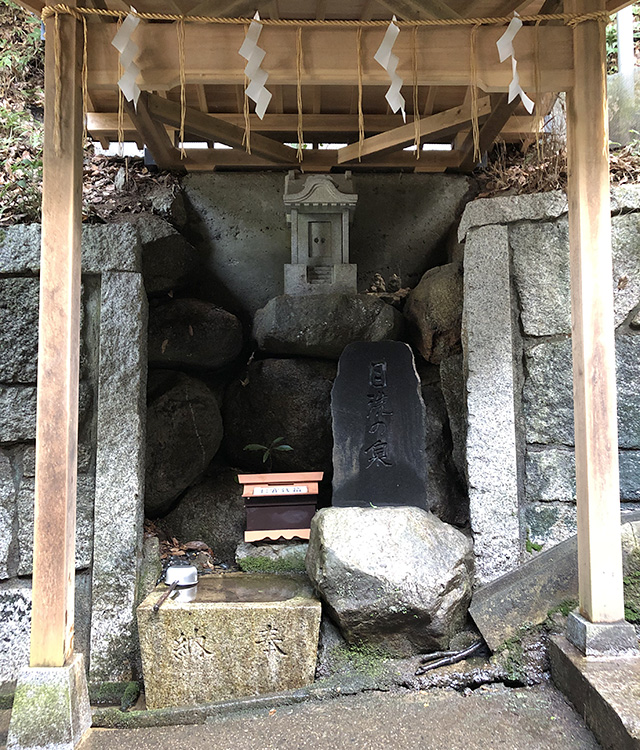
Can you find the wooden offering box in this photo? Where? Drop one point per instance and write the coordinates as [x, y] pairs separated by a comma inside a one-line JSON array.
[[279, 505]]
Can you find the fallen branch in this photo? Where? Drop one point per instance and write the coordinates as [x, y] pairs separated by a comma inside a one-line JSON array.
[[444, 658]]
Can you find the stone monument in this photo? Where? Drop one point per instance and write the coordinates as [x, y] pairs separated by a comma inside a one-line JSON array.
[[378, 428], [319, 209]]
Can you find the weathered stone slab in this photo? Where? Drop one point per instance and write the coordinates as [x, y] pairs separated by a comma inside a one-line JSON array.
[[84, 523], [119, 490], [190, 333], [548, 393], [626, 265], [455, 393], [15, 629], [245, 634], [396, 577], [7, 513], [19, 326], [541, 274], [628, 382], [511, 208], [434, 312], [17, 413], [487, 336], [551, 474], [549, 523], [379, 432], [321, 325], [105, 247], [526, 595]]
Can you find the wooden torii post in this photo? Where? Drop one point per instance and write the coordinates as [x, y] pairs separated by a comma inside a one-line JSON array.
[[594, 367]]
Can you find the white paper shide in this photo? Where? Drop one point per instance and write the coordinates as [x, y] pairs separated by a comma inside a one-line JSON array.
[[254, 56], [505, 50], [385, 57], [128, 50]]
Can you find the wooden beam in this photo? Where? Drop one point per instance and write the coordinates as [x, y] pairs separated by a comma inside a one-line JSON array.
[[594, 370], [330, 57], [214, 129], [52, 617], [416, 10], [436, 125], [320, 161], [164, 153], [500, 113]]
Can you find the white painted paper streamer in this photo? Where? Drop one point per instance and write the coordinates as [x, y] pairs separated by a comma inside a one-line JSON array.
[[505, 50], [254, 56], [385, 57], [128, 50]]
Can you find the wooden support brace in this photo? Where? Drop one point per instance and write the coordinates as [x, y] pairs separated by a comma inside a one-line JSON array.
[[594, 373], [213, 128], [153, 134], [501, 111], [52, 619], [435, 125]]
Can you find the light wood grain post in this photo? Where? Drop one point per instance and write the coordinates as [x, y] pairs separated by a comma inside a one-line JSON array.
[[594, 374], [58, 352]]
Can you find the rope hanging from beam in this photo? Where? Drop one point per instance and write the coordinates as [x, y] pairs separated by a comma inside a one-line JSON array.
[[83, 13]]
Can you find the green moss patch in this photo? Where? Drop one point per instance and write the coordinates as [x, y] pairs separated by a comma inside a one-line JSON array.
[[632, 597], [256, 564]]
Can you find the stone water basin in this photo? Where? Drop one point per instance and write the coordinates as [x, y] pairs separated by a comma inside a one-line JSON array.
[[245, 634]]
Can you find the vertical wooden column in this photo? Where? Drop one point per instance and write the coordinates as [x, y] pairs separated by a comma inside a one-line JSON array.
[[594, 374], [58, 351]]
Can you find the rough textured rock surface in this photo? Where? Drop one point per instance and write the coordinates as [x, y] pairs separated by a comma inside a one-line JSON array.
[[397, 577], [7, 513], [434, 312], [184, 431], [445, 491], [454, 391], [322, 325], [211, 511], [15, 629], [190, 333], [19, 326], [168, 260], [288, 398], [17, 413]]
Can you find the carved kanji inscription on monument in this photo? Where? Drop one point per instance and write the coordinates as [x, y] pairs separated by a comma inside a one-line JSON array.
[[378, 427]]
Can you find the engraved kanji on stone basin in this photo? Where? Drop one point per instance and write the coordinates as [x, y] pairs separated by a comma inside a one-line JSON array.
[[245, 634]]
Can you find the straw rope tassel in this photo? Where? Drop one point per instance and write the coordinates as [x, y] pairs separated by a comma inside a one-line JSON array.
[[183, 93], [473, 64], [120, 104], [57, 116], [360, 112], [416, 102], [536, 71], [299, 91], [85, 80], [246, 139]]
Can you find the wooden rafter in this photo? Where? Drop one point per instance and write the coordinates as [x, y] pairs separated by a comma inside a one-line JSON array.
[[420, 9], [153, 134], [435, 125], [214, 129], [501, 111]]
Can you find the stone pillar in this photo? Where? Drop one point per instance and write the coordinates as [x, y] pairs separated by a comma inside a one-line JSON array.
[[492, 467], [119, 498]]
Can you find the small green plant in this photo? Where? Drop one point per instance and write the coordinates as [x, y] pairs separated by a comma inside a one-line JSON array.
[[632, 597], [275, 446], [531, 546]]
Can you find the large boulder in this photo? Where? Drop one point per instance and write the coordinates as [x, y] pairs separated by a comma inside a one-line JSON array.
[[211, 511], [184, 431], [168, 260], [193, 334], [288, 398], [434, 312], [396, 577], [321, 325]]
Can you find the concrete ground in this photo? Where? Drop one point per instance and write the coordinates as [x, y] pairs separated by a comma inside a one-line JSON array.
[[489, 718]]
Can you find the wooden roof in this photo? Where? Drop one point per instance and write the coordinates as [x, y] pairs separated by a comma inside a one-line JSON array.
[[214, 82]]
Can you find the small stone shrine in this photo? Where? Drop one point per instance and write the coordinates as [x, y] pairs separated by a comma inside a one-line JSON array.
[[378, 428], [319, 209]]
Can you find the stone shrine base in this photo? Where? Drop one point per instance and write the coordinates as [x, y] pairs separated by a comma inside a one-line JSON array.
[[245, 634], [606, 691]]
